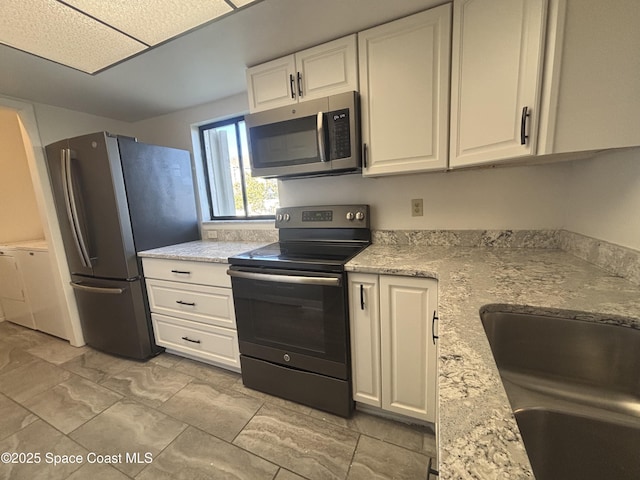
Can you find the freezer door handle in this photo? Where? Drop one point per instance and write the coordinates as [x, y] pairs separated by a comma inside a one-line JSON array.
[[104, 290], [72, 211]]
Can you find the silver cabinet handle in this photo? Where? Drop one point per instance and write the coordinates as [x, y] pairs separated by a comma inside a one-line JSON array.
[[268, 277], [320, 132], [72, 210], [105, 290]]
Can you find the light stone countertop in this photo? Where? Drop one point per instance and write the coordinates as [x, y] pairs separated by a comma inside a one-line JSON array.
[[202, 251], [478, 435]]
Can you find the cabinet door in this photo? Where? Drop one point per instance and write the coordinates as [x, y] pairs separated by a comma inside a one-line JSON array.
[[592, 74], [327, 69], [365, 338], [270, 84], [496, 74], [408, 353], [404, 91], [39, 281], [10, 280], [12, 293]]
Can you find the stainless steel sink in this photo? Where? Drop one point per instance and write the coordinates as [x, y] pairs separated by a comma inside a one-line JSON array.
[[574, 387]]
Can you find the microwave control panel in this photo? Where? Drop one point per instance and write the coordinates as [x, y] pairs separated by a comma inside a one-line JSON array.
[[339, 134]]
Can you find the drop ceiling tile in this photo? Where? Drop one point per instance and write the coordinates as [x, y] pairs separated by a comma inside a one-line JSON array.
[[49, 29], [153, 21]]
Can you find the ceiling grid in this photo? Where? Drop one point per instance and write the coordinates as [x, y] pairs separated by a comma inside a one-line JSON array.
[[93, 35]]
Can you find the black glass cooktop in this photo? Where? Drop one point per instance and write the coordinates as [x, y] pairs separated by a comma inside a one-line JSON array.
[[323, 256]]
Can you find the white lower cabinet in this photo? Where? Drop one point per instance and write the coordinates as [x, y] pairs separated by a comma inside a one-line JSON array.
[[27, 295], [393, 351], [38, 281], [15, 303], [192, 310]]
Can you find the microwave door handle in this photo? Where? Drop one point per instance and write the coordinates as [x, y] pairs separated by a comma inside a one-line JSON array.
[[320, 132]]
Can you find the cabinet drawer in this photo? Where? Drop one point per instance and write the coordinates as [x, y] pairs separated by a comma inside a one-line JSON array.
[[210, 343], [202, 273], [199, 303]]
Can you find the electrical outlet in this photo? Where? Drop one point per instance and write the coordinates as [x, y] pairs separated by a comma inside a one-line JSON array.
[[212, 234], [416, 207]]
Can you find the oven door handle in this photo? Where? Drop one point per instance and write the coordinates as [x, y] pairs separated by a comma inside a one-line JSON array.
[[300, 280]]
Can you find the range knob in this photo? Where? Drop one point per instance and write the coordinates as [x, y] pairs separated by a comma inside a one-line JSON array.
[[360, 216], [279, 217], [350, 216], [286, 217]]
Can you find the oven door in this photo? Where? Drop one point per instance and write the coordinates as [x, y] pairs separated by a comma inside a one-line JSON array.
[[292, 318]]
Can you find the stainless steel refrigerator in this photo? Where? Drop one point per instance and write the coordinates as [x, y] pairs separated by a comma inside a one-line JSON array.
[[114, 197]]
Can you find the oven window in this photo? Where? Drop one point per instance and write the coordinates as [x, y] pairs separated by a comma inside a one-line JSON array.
[[299, 326], [293, 142], [306, 319]]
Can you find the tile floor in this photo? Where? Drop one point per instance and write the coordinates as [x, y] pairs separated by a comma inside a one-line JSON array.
[[173, 418]]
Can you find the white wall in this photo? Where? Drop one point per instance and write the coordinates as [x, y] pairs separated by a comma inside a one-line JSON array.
[[19, 216], [55, 123], [501, 198], [603, 198], [175, 129]]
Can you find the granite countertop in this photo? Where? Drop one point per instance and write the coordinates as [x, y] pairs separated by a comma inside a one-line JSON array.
[[477, 433], [202, 251]]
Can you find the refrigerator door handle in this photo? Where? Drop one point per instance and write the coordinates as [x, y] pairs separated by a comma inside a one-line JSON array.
[[72, 211], [107, 290]]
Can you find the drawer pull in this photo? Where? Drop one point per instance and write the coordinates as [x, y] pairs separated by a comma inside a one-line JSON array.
[[190, 304], [190, 340], [181, 272]]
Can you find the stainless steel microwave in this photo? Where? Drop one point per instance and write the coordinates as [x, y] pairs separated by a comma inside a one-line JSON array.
[[316, 137]]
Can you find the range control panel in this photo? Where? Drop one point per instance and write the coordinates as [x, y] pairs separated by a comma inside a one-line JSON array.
[[324, 216]]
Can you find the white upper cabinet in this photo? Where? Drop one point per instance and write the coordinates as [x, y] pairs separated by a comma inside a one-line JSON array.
[[404, 93], [496, 79], [320, 71], [592, 76], [271, 84]]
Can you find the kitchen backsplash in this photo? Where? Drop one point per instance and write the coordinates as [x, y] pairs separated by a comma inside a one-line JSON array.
[[619, 261], [245, 235], [469, 238]]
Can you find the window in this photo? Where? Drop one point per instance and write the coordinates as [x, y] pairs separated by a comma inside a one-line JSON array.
[[233, 193]]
